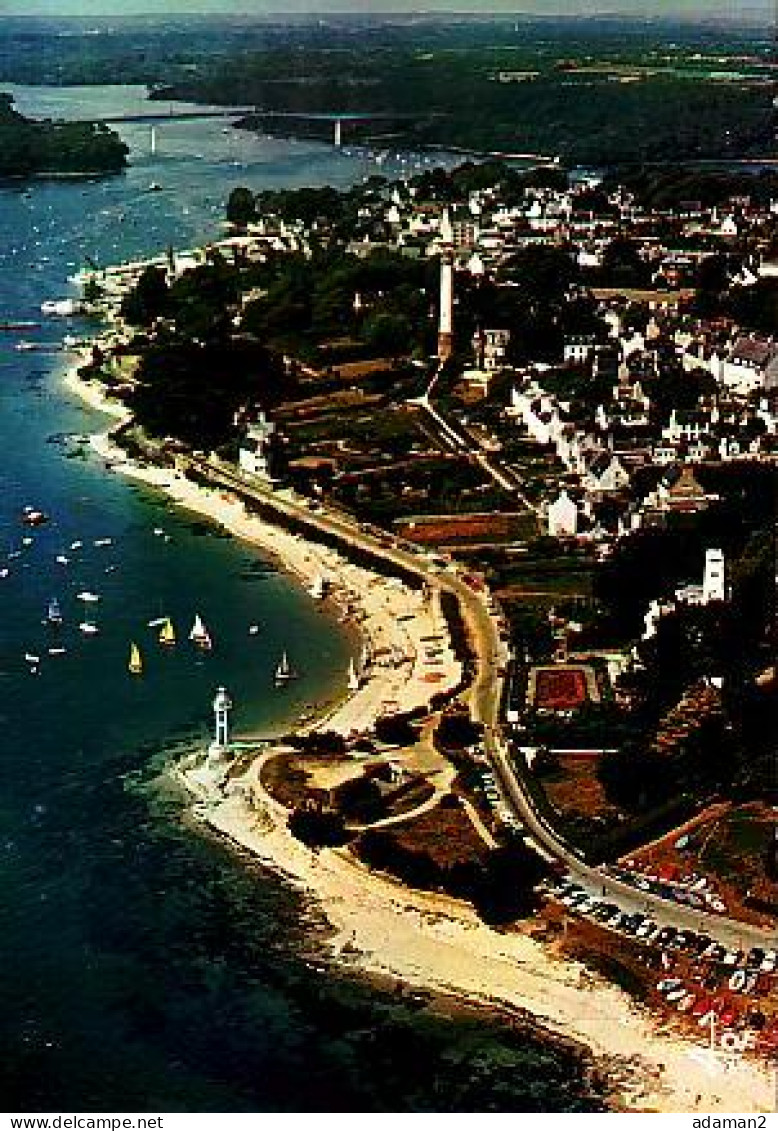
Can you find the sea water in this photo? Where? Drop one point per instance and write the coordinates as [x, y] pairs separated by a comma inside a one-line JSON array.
[[142, 965]]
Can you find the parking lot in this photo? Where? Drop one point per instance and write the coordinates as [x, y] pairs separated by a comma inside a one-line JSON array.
[[709, 987]]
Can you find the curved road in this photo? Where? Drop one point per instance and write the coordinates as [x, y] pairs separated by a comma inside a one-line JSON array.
[[484, 697]]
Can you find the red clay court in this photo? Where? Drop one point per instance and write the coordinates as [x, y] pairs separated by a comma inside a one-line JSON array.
[[560, 690]]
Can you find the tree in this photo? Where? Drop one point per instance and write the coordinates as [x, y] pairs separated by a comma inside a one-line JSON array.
[[241, 207], [387, 334], [149, 299], [318, 827], [93, 292]]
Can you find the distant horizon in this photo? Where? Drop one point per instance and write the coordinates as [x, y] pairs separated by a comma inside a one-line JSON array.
[[686, 11]]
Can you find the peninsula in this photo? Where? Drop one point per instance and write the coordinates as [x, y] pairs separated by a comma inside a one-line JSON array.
[[520, 431], [30, 148]]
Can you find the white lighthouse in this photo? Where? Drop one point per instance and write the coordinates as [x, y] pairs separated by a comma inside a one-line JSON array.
[[222, 705], [714, 584], [446, 320]]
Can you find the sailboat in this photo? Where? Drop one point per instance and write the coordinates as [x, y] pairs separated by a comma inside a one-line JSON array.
[[135, 666], [167, 635], [353, 678], [283, 671], [54, 612], [200, 635]]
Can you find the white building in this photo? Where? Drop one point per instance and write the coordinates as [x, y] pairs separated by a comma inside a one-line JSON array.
[[562, 517], [714, 587], [254, 453]]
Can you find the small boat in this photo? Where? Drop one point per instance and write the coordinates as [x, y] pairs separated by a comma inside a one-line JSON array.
[[353, 677], [27, 541], [4, 572], [253, 629], [31, 516], [57, 650], [318, 589], [200, 635], [103, 542], [77, 544], [31, 658], [61, 308], [88, 627], [85, 595], [135, 665], [11, 327], [167, 635], [62, 559], [54, 612], [155, 186], [283, 672]]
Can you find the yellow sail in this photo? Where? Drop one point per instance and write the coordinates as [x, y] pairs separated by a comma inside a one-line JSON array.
[[167, 633], [136, 663]]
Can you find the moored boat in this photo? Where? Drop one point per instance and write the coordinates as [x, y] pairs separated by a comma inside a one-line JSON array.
[[283, 672], [31, 516], [54, 612], [318, 589]]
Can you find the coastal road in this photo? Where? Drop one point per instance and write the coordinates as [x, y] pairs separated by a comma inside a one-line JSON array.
[[484, 697]]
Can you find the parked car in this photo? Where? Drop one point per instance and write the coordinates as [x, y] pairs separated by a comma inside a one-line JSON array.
[[769, 962], [732, 957]]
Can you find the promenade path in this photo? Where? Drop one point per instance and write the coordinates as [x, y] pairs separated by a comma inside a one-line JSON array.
[[484, 697]]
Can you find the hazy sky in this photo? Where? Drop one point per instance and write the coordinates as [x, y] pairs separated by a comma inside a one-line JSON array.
[[733, 8]]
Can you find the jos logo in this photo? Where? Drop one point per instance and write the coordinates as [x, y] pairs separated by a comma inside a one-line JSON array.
[[724, 1049]]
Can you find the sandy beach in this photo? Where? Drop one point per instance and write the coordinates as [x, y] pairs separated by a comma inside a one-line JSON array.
[[406, 654], [434, 942], [382, 928]]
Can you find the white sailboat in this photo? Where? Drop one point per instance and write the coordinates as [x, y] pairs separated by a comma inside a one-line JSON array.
[[200, 635], [283, 671], [54, 612], [318, 588]]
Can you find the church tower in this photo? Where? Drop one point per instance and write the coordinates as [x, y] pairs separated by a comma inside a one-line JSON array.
[[446, 320]]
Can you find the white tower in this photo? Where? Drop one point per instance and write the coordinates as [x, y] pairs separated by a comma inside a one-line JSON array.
[[714, 586], [446, 322], [222, 705]]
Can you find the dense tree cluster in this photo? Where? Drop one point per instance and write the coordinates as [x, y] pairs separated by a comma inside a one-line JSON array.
[[30, 148], [730, 748], [501, 887]]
